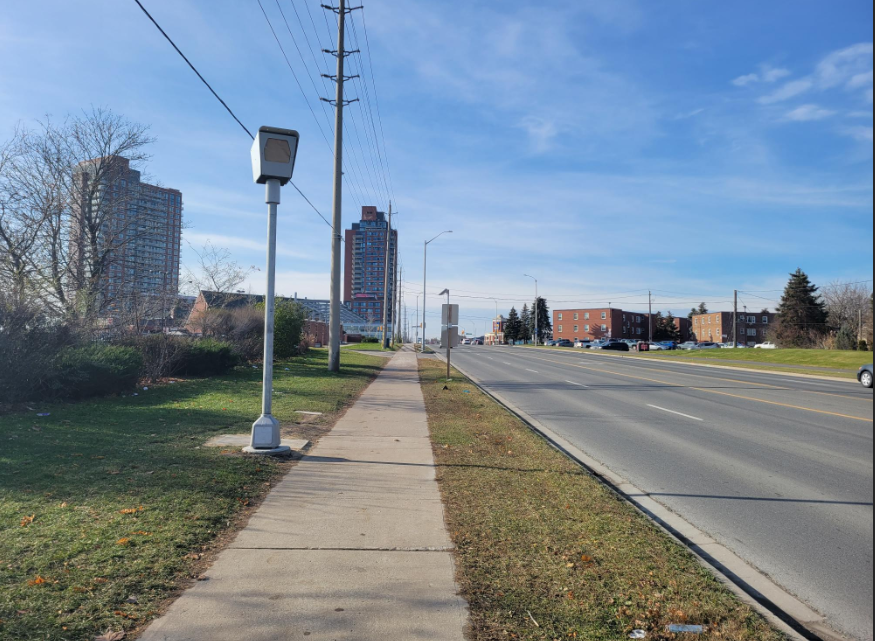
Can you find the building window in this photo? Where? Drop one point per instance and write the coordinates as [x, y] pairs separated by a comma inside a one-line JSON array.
[[586, 316], [751, 332], [577, 317], [576, 328], [752, 319], [604, 315], [560, 318], [560, 329], [765, 320], [604, 328], [639, 331]]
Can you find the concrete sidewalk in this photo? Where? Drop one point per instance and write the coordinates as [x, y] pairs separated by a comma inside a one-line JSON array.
[[350, 546]]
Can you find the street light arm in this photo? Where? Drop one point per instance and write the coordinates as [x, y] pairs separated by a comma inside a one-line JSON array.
[[429, 242]]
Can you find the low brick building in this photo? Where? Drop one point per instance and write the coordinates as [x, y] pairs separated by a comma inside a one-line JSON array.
[[593, 324], [717, 327]]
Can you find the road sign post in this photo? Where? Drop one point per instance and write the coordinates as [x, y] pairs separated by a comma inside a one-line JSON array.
[[450, 331]]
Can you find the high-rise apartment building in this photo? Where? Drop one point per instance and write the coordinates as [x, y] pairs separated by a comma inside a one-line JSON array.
[[140, 230], [365, 276]]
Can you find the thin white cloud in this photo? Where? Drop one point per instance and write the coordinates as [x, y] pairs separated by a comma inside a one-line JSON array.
[[690, 114], [541, 132], [789, 90], [862, 133], [807, 113], [771, 74], [839, 66], [860, 80], [744, 81], [238, 244], [767, 74]]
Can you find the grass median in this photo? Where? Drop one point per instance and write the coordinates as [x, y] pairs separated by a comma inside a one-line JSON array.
[[109, 507], [545, 551]]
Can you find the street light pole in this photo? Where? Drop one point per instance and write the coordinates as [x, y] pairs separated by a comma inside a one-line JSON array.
[[537, 308], [425, 282]]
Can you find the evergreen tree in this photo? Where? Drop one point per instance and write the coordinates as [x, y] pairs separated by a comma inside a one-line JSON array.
[[526, 325], [671, 329], [545, 324], [846, 339], [513, 327], [703, 309], [802, 315]]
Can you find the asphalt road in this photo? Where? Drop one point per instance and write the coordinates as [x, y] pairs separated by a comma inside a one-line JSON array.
[[776, 468]]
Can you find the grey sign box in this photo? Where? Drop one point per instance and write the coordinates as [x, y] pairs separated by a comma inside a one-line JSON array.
[[451, 335], [450, 315], [273, 155]]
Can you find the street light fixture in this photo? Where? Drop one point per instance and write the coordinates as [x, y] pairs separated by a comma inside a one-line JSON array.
[[273, 163], [537, 310], [425, 281]]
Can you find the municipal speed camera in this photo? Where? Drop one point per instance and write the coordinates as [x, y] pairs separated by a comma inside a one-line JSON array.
[[273, 155]]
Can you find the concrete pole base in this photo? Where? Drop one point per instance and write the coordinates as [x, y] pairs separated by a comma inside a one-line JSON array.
[[265, 435], [282, 450]]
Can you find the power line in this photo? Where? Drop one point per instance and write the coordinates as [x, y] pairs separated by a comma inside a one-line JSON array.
[[224, 104], [376, 100], [164, 33]]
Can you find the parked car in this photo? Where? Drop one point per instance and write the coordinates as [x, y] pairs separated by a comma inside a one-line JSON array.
[[708, 346], [616, 347], [466, 341], [669, 345], [865, 376], [563, 342], [583, 344], [598, 344], [688, 345], [767, 345], [631, 342], [657, 347]]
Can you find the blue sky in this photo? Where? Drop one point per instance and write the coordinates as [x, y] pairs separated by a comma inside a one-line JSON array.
[[607, 148]]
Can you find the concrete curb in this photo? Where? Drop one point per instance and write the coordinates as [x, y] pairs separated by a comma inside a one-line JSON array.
[[782, 609], [709, 365]]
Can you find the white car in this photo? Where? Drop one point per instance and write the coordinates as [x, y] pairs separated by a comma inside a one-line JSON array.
[[768, 345]]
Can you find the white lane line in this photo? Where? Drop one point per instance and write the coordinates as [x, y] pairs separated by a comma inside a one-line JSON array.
[[532, 371], [506, 363], [656, 407], [578, 384]]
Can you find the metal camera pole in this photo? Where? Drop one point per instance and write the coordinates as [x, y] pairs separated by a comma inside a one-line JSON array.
[[273, 161]]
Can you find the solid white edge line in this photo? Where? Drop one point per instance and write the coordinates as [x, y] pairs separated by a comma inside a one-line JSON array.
[[578, 384], [657, 407], [532, 371]]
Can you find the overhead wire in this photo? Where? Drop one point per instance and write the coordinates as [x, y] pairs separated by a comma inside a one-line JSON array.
[[224, 104]]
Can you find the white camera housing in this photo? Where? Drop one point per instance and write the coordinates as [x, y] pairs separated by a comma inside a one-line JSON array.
[[273, 155]]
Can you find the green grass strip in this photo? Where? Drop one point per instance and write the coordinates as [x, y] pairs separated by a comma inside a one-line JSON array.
[[545, 551]]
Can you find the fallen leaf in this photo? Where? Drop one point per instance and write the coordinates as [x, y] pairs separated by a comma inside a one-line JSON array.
[[124, 541], [110, 636], [27, 520], [37, 581], [64, 504], [132, 510]]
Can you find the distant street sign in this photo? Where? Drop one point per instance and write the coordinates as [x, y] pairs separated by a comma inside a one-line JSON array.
[[450, 338], [450, 315]]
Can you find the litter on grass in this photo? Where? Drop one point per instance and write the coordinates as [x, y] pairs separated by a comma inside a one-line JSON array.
[[638, 634], [690, 629], [44, 414]]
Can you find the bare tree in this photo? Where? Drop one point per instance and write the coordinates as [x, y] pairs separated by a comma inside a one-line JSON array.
[[71, 199], [215, 270], [847, 304], [20, 225]]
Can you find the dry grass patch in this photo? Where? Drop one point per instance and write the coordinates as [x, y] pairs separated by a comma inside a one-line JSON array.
[[545, 551]]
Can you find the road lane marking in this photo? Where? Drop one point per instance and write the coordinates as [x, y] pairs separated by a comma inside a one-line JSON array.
[[657, 407], [710, 391], [795, 407], [532, 371], [578, 384]]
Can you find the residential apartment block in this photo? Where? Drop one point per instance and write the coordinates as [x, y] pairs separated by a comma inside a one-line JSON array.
[[365, 275], [142, 228], [717, 327], [593, 324]]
